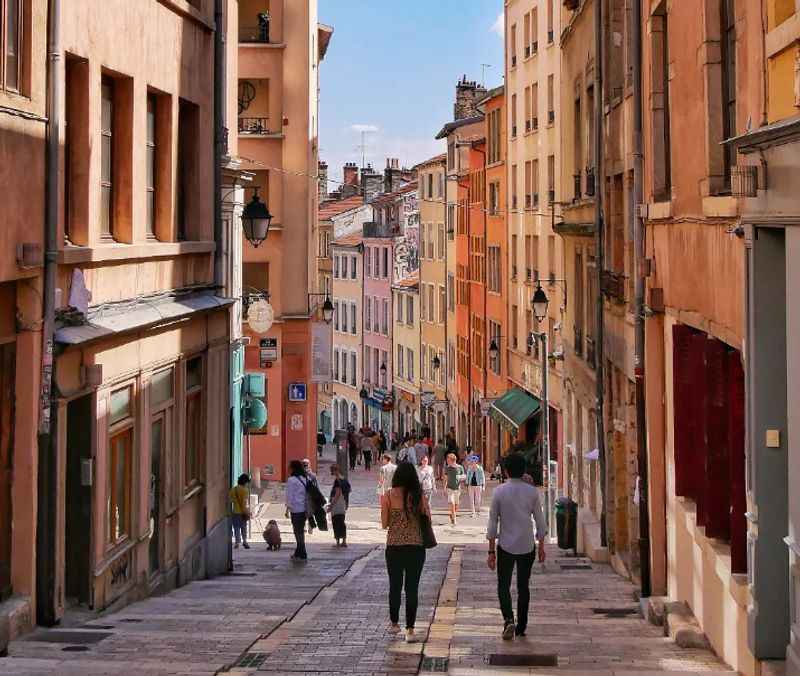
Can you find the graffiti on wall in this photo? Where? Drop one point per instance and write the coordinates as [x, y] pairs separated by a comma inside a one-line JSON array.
[[406, 254]]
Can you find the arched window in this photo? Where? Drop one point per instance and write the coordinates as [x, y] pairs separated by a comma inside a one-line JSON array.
[[342, 414]]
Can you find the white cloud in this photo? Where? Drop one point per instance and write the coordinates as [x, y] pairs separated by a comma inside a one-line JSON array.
[[363, 127], [499, 26]]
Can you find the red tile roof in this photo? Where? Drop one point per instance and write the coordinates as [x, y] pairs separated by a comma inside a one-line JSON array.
[[331, 208], [408, 282], [353, 239]]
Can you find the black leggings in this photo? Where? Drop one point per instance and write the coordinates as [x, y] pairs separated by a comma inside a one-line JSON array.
[[404, 564], [505, 569], [299, 528]]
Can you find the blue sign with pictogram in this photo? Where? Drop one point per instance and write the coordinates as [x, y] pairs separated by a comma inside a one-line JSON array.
[[297, 391]]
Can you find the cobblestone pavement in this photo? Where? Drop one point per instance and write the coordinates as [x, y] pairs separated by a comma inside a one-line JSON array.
[[329, 616]]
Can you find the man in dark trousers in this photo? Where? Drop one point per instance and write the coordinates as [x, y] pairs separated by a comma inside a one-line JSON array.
[[511, 542]]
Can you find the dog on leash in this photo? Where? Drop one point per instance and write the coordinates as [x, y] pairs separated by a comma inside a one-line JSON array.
[[272, 536]]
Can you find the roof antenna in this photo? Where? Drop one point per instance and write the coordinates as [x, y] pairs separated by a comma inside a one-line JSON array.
[[484, 66]]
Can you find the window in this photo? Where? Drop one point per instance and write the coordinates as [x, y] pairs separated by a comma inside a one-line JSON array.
[[535, 106], [660, 104], [550, 21], [344, 368], [188, 163], [195, 418], [494, 198], [353, 359], [529, 184], [535, 30], [514, 327], [384, 362], [526, 34], [452, 221], [162, 387], [410, 357], [430, 242], [255, 276], [431, 303], [551, 255], [528, 109], [494, 337], [336, 364], [151, 176], [513, 116], [119, 480], [451, 296], [353, 265], [528, 251], [11, 23], [336, 314], [410, 310], [345, 263], [493, 254], [513, 187], [385, 262], [451, 360], [512, 49], [440, 242], [579, 309], [344, 318], [442, 305], [107, 158], [728, 41], [368, 314], [423, 303], [336, 267], [514, 252], [400, 358], [551, 111], [551, 178], [423, 367], [385, 317], [367, 362], [430, 186], [368, 261], [353, 323], [493, 127], [535, 183]]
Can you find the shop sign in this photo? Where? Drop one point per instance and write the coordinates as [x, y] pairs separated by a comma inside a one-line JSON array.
[[267, 351]]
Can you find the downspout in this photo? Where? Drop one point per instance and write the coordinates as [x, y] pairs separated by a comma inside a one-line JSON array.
[[599, 259], [219, 136], [46, 600], [639, 289], [485, 346]]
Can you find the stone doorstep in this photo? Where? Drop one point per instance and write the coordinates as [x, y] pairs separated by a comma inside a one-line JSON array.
[[681, 626], [15, 619]]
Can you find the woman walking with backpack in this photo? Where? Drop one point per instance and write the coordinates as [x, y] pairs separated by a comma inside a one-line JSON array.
[[403, 509]]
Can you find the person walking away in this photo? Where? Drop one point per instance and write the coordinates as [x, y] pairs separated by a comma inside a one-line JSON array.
[[297, 507], [454, 476], [381, 443], [240, 510], [401, 508], [439, 454], [368, 448], [313, 478], [339, 503], [321, 441], [385, 474], [425, 473], [476, 483], [450, 441], [420, 449], [511, 543], [409, 452], [353, 448]]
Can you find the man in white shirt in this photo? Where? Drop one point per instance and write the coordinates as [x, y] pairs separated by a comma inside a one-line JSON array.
[[385, 474], [513, 505]]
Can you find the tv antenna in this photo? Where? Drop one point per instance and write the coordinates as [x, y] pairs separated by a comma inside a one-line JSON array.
[[362, 147], [484, 66]]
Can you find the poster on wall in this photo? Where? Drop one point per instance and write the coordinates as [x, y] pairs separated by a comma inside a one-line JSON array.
[[321, 352]]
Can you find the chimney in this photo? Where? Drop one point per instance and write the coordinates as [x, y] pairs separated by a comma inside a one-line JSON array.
[[322, 173], [468, 93], [392, 176], [350, 173], [371, 183]]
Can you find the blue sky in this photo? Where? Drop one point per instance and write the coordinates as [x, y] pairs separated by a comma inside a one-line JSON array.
[[392, 68]]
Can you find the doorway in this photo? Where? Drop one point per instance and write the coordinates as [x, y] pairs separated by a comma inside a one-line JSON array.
[[78, 512], [157, 437], [7, 370]]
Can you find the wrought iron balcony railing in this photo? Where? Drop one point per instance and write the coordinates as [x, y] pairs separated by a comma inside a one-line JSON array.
[[255, 126]]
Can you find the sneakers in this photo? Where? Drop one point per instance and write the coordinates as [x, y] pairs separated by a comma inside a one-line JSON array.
[[411, 637], [519, 631], [394, 629], [508, 631], [245, 545]]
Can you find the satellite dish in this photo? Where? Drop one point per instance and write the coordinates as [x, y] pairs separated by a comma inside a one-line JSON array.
[[260, 316]]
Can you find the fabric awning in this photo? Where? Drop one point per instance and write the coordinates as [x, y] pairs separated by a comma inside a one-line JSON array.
[[514, 408]]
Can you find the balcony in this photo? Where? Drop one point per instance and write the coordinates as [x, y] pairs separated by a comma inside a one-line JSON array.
[[255, 34], [528, 201], [256, 126]]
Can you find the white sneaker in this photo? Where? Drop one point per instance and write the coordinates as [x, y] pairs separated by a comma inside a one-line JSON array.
[[411, 637]]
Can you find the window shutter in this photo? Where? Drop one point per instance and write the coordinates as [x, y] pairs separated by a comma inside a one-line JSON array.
[[717, 468], [698, 448], [681, 385]]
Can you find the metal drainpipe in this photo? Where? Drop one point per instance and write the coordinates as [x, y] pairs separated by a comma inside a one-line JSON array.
[[599, 259], [485, 346], [219, 135], [46, 600], [639, 289]]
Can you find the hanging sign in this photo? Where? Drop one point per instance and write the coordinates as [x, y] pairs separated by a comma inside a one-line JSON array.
[[260, 316]]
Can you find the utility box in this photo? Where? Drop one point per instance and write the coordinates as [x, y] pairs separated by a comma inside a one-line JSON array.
[[255, 384]]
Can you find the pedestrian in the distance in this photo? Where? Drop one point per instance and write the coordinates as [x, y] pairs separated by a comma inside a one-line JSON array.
[[454, 476], [425, 472], [321, 441], [312, 524], [353, 447], [401, 509], [439, 454], [450, 441], [297, 507], [367, 447], [340, 501], [420, 449], [511, 543], [476, 483], [240, 510], [381, 444]]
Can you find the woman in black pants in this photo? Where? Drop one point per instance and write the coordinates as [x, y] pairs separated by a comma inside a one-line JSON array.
[[405, 554], [297, 507]]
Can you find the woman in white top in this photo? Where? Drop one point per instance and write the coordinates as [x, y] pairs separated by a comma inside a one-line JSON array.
[[425, 473], [297, 507]]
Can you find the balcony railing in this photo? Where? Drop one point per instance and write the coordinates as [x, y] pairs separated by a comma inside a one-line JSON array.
[[257, 126], [258, 32], [590, 181]]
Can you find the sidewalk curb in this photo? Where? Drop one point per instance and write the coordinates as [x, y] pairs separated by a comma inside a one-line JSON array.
[[440, 634]]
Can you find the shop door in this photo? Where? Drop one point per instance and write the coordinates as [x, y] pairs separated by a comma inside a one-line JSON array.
[[7, 367], [156, 455], [77, 541]]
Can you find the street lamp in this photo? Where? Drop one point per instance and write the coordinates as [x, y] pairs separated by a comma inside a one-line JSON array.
[[494, 350], [327, 310], [256, 220], [539, 303], [383, 369]]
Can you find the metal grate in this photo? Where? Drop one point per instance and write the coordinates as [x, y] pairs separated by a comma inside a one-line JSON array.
[[435, 664], [523, 660], [74, 649], [251, 660], [616, 612]]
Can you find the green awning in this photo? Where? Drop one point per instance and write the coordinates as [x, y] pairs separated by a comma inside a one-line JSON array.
[[514, 408]]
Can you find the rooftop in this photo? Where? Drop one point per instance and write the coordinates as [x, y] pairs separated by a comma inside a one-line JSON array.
[[331, 208], [353, 239], [409, 282], [452, 126]]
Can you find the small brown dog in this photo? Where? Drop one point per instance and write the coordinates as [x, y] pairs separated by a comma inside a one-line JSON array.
[[272, 536]]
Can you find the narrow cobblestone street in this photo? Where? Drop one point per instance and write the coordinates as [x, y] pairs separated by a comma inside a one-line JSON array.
[[330, 616]]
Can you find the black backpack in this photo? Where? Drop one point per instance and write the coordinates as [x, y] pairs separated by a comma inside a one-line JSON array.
[[317, 498]]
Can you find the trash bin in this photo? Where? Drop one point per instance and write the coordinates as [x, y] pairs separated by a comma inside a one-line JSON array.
[[567, 523]]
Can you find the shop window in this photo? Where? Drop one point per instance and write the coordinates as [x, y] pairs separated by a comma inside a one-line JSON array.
[[119, 482]]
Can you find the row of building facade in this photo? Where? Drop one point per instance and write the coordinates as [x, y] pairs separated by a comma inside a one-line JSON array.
[[124, 276], [636, 171]]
